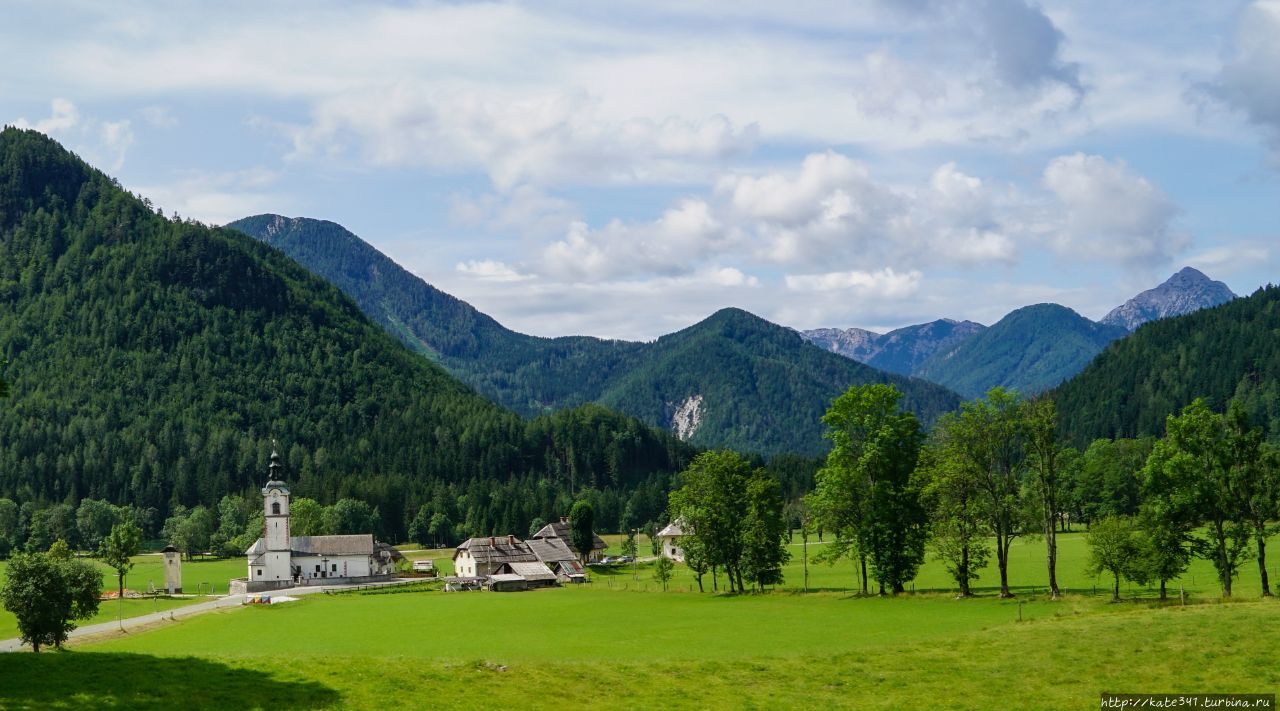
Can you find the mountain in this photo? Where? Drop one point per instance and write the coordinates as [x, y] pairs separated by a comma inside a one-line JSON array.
[[899, 351], [1187, 291], [855, 343], [750, 381], [733, 380], [1031, 349], [153, 362], [1232, 350]]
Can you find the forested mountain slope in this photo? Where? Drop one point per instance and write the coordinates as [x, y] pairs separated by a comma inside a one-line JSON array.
[[732, 380], [1031, 349], [1232, 350], [152, 362]]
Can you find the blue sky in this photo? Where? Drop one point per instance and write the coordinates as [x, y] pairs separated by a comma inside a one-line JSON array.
[[624, 169]]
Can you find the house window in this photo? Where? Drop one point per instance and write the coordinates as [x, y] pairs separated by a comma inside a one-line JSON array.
[[335, 567], [259, 571], [317, 567], [275, 508]]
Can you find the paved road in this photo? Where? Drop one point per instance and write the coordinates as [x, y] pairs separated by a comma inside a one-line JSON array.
[[133, 623]]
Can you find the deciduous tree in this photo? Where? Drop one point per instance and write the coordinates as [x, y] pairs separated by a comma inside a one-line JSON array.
[[1115, 547], [582, 536], [48, 595], [118, 548]]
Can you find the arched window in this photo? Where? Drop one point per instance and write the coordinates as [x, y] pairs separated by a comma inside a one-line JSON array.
[[275, 508]]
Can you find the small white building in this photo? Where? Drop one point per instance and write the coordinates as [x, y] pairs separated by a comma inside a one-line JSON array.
[[669, 541], [172, 569], [279, 560]]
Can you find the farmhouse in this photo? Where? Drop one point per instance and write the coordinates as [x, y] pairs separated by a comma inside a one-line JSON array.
[[535, 575], [669, 541], [279, 560], [560, 530], [541, 561], [555, 554], [482, 557]]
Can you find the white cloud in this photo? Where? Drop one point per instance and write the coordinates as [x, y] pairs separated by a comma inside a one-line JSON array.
[[884, 283], [832, 210], [1231, 258], [1249, 80], [218, 198], [63, 116], [1111, 213], [491, 270], [551, 137], [673, 244], [103, 143]]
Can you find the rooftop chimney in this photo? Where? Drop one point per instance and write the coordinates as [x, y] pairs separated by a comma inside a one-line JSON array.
[[564, 519], [511, 539]]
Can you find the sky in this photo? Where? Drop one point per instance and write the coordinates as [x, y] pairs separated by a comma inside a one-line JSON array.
[[624, 170]]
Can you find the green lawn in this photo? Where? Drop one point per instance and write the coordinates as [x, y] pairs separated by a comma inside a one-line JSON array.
[[215, 575], [620, 643], [612, 649]]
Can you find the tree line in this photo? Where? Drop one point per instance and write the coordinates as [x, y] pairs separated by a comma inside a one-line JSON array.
[[998, 469]]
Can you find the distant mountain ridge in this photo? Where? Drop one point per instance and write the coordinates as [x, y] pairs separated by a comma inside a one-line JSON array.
[[731, 380], [1187, 291], [1022, 353], [1030, 350]]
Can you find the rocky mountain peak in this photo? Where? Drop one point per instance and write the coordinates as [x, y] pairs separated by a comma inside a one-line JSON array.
[[1188, 290]]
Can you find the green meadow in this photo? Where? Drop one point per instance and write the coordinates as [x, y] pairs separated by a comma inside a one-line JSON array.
[[205, 575], [621, 642]]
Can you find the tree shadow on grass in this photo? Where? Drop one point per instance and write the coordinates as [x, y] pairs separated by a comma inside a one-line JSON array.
[[94, 680]]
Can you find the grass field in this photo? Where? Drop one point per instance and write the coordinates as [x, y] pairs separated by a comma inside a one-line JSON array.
[[620, 643], [196, 575], [1027, 573], [613, 649]]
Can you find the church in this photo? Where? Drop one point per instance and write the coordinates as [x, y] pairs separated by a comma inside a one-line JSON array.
[[280, 560]]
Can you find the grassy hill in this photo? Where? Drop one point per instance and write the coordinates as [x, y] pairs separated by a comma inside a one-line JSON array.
[[762, 386], [1030, 350], [1232, 350], [152, 362]]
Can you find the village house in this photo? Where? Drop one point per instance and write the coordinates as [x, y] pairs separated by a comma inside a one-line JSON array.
[[279, 560], [482, 557], [540, 562], [560, 530], [555, 554], [669, 541]]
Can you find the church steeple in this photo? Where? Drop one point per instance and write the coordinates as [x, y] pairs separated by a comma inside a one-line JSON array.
[[275, 507], [274, 470]]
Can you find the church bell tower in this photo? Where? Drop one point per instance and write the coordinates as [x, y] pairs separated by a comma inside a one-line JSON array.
[[275, 523]]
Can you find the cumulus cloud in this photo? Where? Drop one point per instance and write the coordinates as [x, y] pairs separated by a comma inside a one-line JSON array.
[[217, 198], [490, 270], [1249, 81], [1025, 46], [832, 209], [671, 245], [105, 143], [1021, 43], [1108, 212], [884, 283], [516, 138]]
